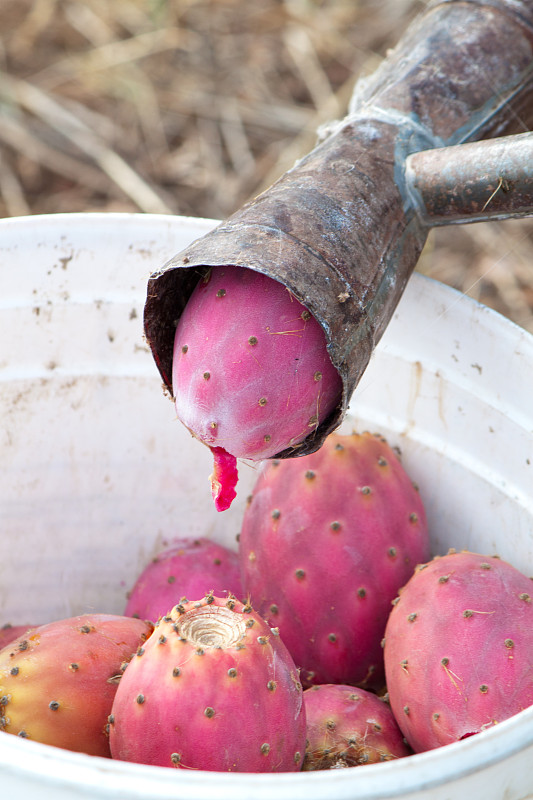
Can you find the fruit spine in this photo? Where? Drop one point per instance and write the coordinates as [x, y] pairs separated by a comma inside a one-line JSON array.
[[9, 632]]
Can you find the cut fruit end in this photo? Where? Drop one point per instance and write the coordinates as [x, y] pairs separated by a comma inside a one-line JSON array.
[[224, 478]]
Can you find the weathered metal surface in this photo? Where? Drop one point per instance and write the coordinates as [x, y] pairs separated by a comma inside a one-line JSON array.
[[491, 179], [339, 229]]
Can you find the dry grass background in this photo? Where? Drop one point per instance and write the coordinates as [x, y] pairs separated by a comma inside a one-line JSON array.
[[193, 106]]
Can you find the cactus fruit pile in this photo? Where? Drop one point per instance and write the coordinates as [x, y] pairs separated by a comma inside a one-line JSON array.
[[332, 639]]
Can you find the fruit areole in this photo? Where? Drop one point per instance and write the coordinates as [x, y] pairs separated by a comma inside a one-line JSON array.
[[339, 229]]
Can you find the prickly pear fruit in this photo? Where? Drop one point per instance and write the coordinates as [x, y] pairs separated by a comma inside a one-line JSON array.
[[326, 541], [57, 681], [214, 688], [348, 727], [459, 648], [189, 568], [251, 374], [8, 633]]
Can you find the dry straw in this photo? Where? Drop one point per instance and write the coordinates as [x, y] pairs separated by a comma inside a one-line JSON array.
[[192, 107]]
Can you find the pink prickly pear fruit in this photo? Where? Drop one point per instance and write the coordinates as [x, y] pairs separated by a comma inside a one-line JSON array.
[[251, 373], [326, 541], [213, 688], [8, 633], [348, 727], [459, 648], [57, 681], [189, 568]]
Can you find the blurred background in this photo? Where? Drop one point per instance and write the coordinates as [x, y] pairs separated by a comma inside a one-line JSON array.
[[192, 107]]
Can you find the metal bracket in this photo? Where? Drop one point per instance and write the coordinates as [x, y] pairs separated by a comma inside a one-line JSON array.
[[472, 182]]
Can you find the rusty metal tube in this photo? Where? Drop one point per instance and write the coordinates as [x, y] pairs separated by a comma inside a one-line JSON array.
[[471, 182], [340, 229]]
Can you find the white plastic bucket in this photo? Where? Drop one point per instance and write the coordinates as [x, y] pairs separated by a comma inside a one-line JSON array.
[[96, 475]]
